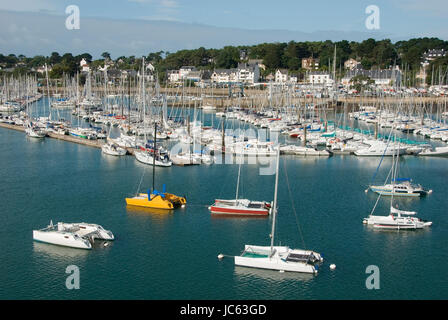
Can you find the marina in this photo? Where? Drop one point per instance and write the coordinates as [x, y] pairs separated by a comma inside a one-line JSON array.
[[111, 179], [216, 162]]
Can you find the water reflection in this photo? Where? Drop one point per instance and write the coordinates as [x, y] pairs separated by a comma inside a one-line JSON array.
[[135, 210], [271, 275], [58, 252]]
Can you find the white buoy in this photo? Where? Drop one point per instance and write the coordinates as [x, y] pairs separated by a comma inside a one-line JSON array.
[[332, 266], [367, 190], [220, 256], [182, 206], [281, 271], [430, 191], [209, 208], [106, 244]]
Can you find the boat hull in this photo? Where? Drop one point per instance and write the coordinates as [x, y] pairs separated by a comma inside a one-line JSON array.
[[259, 257], [235, 211], [61, 239], [170, 201], [148, 159], [231, 207]]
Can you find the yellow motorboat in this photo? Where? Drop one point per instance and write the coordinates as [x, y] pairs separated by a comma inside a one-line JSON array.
[[157, 200]]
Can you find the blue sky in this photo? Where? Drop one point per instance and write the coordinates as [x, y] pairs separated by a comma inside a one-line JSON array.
[[233, 21]]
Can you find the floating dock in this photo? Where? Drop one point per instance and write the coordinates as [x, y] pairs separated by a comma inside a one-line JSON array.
[[86, 142]]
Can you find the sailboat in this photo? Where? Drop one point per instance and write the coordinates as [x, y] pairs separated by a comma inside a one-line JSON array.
[[243, 207], [279, 258], [156, 199], [150, 156], [153, 156], [397, 219], [34, 131], [113, 149]]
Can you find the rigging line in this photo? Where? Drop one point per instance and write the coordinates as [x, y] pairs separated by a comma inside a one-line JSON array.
[[293, 205], [382, 157], [141, 179]]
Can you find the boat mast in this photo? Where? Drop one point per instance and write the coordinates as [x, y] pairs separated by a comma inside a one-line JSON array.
[[394, 171], [274, 207], [238, 181], [48, 92], [154, 157]]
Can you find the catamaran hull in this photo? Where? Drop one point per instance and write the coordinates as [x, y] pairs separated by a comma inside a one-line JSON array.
[[274, 264], [60, 239], [388, 222], [278, 261]]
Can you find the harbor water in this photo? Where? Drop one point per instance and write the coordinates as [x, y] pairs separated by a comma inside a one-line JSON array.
[[322, 203]]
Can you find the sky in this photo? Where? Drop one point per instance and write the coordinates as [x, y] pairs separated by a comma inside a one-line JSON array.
[[137, 27]]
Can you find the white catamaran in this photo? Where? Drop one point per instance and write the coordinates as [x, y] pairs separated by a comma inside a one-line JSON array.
[[278, 257], [75, 235]]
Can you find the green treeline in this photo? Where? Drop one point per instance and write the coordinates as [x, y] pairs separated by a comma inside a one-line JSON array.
[[370, 53]]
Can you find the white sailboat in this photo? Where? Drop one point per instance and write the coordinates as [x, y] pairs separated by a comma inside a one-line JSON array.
[[279, 258], [113, 149], [34, 132], [397, 219]]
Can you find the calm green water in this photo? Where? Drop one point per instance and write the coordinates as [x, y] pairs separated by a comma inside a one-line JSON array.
[[174, 256]]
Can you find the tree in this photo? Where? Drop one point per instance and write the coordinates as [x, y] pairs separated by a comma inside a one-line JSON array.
[[228, 58], [361, 82], [273, 58], [55, 58], [106, 55]]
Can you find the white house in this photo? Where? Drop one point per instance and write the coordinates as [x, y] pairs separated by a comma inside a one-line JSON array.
[[248, 73], [281, 76], [41, 69], [319, 77], [381, 77], [84, 66], [224, 75], [184, 71], [173, 75], [293, 79]]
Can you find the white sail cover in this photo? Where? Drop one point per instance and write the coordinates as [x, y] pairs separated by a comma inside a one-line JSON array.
[[396, 211]]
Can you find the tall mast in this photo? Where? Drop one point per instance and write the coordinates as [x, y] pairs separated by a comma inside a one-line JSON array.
[[154, 157], [274, 207], [238, 182], [48, 91]]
